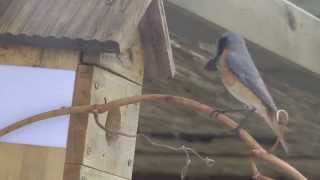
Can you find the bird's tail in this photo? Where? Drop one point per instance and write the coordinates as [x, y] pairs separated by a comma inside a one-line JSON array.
[[278, 123]]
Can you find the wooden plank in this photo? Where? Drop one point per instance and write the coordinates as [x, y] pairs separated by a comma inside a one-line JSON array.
[[79, 122], [129, 63], [60, 59], [276, 25], [87, 144], [86, 173], [114, 157], [31, 162], [37, 57], [156, 41], [171, 163]]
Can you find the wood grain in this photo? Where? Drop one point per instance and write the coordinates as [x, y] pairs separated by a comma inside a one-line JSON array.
[[156, 42], [31, 162], [87, 143], [87, 173], [38, 57]]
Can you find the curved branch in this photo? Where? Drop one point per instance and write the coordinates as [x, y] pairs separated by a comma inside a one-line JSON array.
[[257, 149]]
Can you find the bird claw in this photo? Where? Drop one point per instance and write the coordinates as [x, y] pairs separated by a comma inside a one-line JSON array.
[[216, 112]]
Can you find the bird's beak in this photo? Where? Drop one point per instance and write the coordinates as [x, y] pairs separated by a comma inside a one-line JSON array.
[[212, 64]]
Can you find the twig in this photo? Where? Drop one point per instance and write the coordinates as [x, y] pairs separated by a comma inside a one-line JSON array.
[[184, 171], [179, 101], [187, 150]]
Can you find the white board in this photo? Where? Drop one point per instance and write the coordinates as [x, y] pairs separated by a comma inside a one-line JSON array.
[[26, 91]]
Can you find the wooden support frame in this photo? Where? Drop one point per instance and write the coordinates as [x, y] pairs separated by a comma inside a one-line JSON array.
[[89, 153]]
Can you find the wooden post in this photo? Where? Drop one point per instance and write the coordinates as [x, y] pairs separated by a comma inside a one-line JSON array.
[[90, 155], [156, 42]]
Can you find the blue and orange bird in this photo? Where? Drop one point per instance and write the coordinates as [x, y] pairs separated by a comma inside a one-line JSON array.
[[242, 79]]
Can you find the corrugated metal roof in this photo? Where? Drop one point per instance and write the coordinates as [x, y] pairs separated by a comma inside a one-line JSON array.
[[98, 20]]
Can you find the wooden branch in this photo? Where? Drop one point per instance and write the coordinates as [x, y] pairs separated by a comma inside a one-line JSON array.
[[257, 149]]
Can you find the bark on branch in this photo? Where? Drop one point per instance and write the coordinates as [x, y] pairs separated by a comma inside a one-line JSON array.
[[257, 150]]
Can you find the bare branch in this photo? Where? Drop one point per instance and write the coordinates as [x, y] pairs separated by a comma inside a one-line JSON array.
[[257, 149], [187, 150]]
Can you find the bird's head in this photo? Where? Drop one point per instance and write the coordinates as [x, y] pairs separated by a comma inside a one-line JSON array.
[[228, 40]]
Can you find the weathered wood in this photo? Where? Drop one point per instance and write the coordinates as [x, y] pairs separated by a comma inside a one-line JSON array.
[[278, 26], [79, 122], [129, 63], [29, 56], [156, 42], [87, 173], [171, 164], [31, 162], [95, 20], [87, 143], [191, 51]]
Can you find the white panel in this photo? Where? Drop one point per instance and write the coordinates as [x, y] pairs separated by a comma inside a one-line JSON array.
[[26, 91]]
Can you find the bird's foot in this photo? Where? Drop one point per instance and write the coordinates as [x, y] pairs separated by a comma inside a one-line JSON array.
[[274, 146], [249, 110], [242, 121], [215, 113]]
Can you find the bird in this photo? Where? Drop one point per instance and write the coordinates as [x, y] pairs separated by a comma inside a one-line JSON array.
[[242, 79]]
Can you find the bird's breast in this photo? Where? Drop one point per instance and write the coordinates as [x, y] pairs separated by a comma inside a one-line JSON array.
[[237, 88], [227, 76]]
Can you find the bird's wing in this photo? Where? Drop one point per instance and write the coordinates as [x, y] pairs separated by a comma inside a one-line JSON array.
[[245, 70]]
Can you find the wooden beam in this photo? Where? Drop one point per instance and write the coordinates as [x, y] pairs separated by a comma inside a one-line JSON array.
[[276, 25], [38, 57], [88, 146], [87, 143], [156, 41], [31, 162]]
